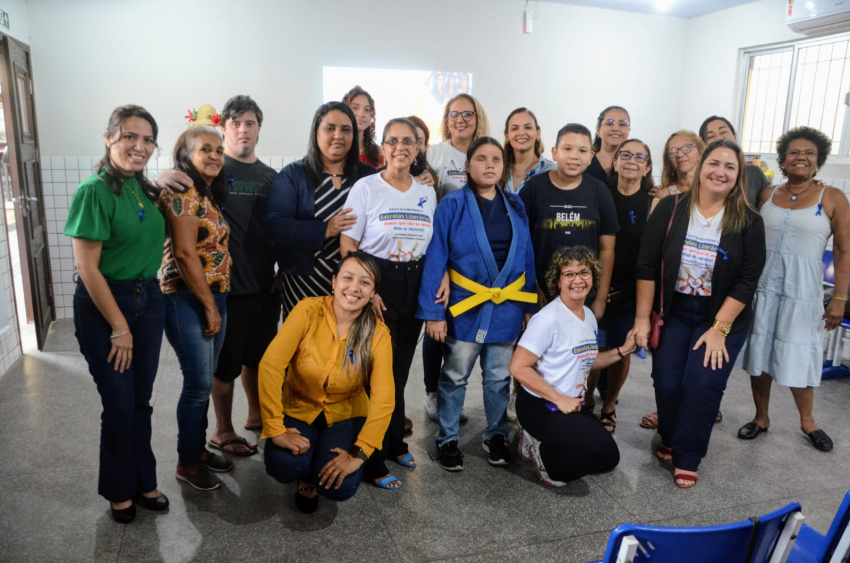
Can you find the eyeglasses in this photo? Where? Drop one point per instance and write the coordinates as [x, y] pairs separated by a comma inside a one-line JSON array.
[[612, 122], [465, 115], [407, 142], [685, 149], [569, 276], [639, 157]]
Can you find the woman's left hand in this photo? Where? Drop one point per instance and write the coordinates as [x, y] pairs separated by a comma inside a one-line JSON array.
[[337, 469], [715, 348], [834, 314], [444, 290]]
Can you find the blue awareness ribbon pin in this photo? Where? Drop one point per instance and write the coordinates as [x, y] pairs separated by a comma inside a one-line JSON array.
[[820, 208], [422, 201], [632, 216], [229, 179], [723, 252]]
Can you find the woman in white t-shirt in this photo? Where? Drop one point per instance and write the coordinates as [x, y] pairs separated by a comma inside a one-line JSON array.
[[464, 121], [394, 225], [552, 362]]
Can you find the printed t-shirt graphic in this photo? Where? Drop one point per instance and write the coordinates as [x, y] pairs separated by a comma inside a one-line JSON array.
[[699, 254]]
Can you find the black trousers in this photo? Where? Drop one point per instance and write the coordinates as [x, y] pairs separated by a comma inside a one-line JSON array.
[[399, 290], [571, 445]]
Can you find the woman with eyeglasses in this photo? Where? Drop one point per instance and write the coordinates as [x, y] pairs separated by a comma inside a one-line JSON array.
[[682, 152], [631, 179], [552, 361], [464, 121], [700, 260], [612, 128], [523, 150], [394, 225]]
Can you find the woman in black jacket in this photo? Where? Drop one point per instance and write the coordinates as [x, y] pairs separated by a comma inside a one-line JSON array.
[[707, 248]]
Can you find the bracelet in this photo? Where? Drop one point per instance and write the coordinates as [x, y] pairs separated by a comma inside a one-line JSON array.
[[722, 328], [839, 298], [622, 357], [112, 337]]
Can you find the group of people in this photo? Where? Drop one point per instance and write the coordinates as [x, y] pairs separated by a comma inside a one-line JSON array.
[[548, 272]]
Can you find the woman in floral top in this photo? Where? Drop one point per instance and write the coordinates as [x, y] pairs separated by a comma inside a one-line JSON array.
[[195, 278]]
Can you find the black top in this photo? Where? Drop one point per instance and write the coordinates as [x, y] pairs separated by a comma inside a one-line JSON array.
[[595, 170], [756, 182], [497, 225], [558, 218], [735, 276], [632, 214], [247, 187]]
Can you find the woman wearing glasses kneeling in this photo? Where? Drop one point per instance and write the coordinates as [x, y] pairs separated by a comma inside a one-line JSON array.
[[552, 362], [700, 260]]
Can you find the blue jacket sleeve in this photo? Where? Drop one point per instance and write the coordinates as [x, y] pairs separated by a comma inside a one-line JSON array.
[[436, 263], [283, 224]]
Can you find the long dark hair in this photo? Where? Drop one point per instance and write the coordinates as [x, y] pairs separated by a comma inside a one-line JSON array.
[[183, 162], [114, 178], [370, 148], [359, 341], [597, 141], [510, 157], [313, 160]]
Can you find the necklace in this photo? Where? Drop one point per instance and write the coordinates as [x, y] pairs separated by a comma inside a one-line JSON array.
[[142, 215], [794, 195], [708, 220]]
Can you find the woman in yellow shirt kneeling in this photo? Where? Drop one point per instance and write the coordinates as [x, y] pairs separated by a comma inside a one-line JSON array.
[[333, 360]]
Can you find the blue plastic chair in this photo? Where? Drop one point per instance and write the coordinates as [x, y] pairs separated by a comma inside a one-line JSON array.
[[813, 547], [832, 366], [758, 540]]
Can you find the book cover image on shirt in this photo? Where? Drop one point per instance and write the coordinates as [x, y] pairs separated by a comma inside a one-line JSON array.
[[585, 353], [408, 226], [698, 257]]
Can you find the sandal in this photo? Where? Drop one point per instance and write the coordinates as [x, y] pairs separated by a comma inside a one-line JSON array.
[[306, 504], [650, 421], [588, 408], [690, 480], [253, 426], [664, 454], [386, 482], [609, 420], [232, 442], [408, 426], [719, 418], [407, 461]]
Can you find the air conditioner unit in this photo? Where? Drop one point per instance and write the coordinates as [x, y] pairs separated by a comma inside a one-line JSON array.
[[818, 17]]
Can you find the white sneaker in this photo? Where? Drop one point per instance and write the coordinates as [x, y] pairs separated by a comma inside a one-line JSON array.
[[431, 405], [512, 406], [524, 445], [535, 455], [463, 415]]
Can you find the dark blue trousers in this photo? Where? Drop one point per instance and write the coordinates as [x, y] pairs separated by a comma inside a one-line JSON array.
[[288, 468], [688, 395], [127, 463], [432, 363]]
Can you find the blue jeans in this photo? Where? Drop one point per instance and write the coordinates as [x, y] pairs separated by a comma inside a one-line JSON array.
[[127, 463], [459, 360], [198, 356], [687, 394], [288, 468]]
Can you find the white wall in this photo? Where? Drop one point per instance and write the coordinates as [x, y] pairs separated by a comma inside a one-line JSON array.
[[18, 20], [171, 56]]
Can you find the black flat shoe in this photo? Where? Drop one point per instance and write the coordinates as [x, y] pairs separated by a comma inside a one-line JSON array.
[[157, 504], [125, 515], [820, 440], [305, 504], [750, 431]]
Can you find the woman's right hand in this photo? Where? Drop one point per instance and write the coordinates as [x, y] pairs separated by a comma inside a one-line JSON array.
[[213, 318], [378, 306], [436, 330], [293, 441], [642, 329], [122, 350], [568, 405], [340, 222]]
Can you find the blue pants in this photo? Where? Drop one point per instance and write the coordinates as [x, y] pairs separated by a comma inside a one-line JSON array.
[[687, 394], [198, 356], [127, 463], [288, 468], [460, 358]]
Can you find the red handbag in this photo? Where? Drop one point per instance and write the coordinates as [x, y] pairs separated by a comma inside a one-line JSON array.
[[657, 319]]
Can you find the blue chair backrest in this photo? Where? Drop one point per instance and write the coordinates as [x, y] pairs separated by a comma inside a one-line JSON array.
[[833, 536], [728, 543], [828, 267]]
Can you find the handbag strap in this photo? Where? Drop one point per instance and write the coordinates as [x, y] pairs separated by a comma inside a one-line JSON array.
[[670, 224]]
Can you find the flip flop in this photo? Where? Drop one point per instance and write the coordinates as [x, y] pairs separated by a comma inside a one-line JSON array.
[[690, 480], [233, 441], [407, 461], [253, 426], [385, 482]]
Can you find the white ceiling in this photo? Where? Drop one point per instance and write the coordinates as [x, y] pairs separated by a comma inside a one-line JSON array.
[[679, 9]]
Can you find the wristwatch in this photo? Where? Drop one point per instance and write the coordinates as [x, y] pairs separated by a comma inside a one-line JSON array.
[[357, 451]]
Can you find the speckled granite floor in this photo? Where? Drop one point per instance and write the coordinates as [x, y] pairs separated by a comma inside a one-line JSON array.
[[50, 510]]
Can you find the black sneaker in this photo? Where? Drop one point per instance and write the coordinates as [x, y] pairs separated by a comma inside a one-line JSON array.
[[497, 447], [216, 462], [449, 457], [203, 480]]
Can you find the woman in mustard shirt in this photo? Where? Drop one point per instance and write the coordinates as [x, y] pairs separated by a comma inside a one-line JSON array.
[[325, 426], [119, 314]]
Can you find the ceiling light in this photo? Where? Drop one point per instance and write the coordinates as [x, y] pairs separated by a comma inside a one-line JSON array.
[[663, 5]]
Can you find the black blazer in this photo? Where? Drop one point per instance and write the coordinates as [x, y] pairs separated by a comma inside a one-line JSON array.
[[736, 274]]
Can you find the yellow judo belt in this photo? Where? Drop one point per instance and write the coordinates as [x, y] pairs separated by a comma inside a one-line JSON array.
[[482, 294]]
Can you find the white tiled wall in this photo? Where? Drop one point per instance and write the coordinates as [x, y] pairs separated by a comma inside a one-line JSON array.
[[10, 340], [61, 175]]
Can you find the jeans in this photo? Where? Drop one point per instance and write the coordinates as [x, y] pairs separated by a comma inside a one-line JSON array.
[[127, 463], [459, 360], [198, 356], [432, 363], [287, 468], [687, 394]]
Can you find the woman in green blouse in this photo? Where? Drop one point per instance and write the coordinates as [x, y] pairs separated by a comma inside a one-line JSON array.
[[119, 313]]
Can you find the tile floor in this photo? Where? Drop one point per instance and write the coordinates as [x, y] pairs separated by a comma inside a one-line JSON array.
[[50, 511]]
